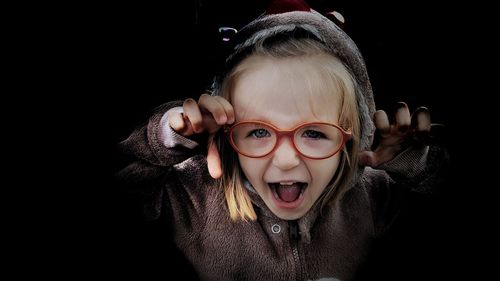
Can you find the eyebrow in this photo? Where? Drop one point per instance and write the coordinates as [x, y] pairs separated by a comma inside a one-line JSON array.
[[291, 127]]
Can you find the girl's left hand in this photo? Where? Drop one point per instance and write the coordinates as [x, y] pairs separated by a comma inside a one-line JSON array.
[[394, 138]]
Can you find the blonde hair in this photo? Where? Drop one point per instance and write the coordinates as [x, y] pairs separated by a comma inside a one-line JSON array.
[[335, 74]]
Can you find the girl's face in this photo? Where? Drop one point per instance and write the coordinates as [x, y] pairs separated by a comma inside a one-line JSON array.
[[283, 92]]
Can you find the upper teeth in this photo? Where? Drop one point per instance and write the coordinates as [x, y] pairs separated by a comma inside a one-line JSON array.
[[287, 183]]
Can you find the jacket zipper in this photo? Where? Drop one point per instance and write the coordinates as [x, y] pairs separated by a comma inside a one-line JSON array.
[[293, 228]]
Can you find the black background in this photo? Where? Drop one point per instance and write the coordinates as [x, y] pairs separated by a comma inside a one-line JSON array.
[[119, 61]]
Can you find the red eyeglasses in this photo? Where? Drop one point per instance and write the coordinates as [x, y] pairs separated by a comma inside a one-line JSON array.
[[314, 140]]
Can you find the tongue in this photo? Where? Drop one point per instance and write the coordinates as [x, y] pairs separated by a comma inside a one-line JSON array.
[[288, 193]]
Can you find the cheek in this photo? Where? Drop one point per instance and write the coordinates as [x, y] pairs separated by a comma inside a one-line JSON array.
[[322, 171], [253, 169]]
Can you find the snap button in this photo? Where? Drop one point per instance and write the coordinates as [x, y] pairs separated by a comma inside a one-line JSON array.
[[276, 228]]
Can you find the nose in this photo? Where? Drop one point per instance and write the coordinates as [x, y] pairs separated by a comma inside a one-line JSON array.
[[285, 157]]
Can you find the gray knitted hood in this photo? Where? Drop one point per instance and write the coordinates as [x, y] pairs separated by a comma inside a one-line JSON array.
[[295, 18]]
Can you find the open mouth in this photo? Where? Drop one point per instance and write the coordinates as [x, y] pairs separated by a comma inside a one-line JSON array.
[[288, 192]]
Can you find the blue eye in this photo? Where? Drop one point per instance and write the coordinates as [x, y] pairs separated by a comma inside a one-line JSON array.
[[313, 134], [259, 133]]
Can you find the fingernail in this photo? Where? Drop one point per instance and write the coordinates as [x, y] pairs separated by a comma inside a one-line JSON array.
[[421, 108], [401, 104], [222, 120], [190, 100]]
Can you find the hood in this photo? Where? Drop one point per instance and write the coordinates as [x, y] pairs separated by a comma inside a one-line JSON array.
[[294, 17]]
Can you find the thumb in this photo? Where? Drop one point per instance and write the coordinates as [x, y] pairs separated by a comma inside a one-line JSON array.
[[367, 158], [213, 159]]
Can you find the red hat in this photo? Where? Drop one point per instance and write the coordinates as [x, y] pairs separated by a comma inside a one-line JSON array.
[[283, 6]]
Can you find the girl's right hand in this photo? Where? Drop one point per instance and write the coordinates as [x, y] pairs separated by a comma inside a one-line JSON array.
[[209, 114]]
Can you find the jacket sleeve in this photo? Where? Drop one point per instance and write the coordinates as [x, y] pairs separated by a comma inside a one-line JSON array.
[[421, 170], [155, 150], [147, 143]]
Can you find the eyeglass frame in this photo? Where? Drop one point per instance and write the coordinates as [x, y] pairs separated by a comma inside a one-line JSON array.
[[346, 136]]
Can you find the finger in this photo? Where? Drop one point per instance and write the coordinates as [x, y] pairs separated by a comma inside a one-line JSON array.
[[382, 122], [208, 105], [421, 120], [421, 125], [213, 159], [402, 117], [193, 114], [221, 110], [228, 108], [215, 108], [178, 124]]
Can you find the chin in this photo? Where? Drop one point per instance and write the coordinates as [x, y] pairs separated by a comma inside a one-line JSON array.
[[289, 217]]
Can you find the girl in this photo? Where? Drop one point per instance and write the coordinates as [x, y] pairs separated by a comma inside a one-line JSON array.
[[286, 195]]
